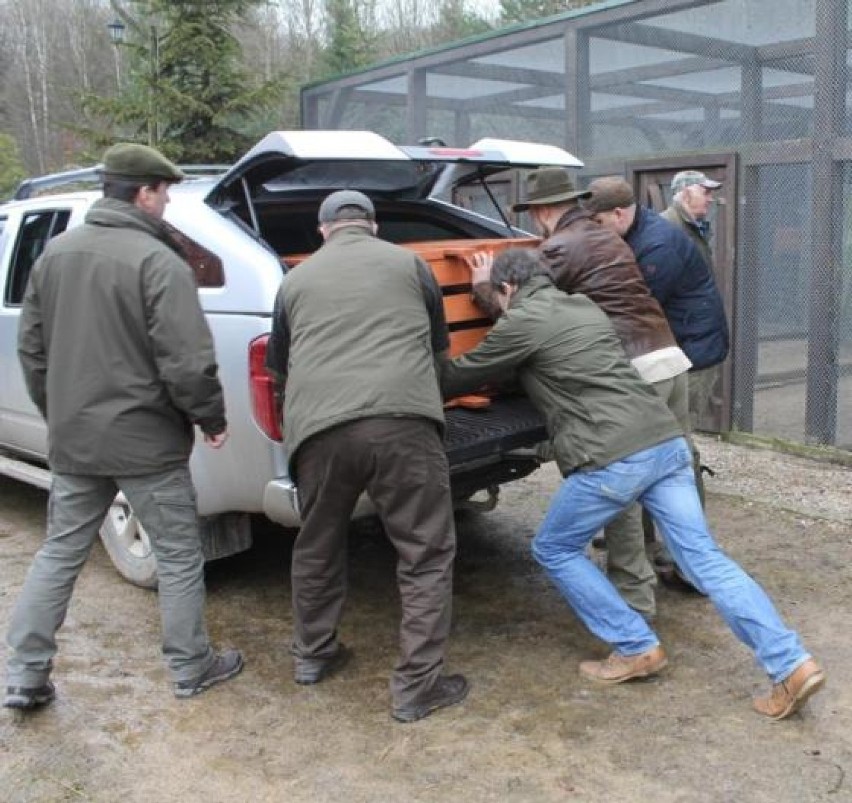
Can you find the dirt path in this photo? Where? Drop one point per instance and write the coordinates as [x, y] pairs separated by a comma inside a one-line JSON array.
[[531, 730]]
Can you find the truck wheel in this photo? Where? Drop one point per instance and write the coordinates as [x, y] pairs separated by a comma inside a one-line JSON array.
[[128, 546]]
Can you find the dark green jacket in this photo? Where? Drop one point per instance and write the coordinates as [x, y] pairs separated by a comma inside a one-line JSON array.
[[116, 352], [355, 333], [572, 366]]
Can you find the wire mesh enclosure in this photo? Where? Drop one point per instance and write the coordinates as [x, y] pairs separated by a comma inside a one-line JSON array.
[[754, 91]]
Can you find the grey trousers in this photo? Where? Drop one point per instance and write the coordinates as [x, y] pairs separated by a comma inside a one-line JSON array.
[[165, 504], [628, 566], [401, 464]]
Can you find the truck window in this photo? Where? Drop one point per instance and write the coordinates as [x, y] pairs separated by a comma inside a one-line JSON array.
[[36, 229], [207, 267]]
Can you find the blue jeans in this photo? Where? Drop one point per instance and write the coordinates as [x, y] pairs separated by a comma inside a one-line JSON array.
[[661, 478]]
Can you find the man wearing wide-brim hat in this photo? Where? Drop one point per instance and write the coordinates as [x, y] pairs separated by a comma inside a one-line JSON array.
[[585, 257]]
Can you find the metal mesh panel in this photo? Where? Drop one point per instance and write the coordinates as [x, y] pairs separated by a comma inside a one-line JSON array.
[[761, 84], [844, 395], [782, 262]]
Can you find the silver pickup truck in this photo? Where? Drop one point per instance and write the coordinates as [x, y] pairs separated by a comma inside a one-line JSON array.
[[240, 228]]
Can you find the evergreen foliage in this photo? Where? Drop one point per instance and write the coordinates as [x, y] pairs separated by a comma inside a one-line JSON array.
[[186, 90], [11, 167], [349, 45], [517, 11]]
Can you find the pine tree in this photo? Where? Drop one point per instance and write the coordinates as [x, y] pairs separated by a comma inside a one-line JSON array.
[[11, 167], [185, 90], [349, 45], [514, 11]]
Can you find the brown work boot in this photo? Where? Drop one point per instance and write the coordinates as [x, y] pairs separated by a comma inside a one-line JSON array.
[[790, 694], [618, 668]]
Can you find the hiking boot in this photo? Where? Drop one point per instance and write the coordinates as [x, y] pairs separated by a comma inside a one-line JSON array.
[[619, 668], [225, 665], [448, 690], [24, 699], [308, 671], [672, 577], [790, 694]]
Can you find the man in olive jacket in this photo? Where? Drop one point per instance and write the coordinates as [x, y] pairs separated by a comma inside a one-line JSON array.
[[119, 360], [357, 329], [585, 257], [616, 443]]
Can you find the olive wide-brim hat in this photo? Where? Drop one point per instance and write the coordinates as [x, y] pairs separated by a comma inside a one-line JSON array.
[[549, 185]]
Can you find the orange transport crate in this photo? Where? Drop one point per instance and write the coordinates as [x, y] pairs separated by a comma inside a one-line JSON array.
[[467, 322]]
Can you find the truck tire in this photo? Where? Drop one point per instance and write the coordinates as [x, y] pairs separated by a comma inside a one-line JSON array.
[[128, 545]]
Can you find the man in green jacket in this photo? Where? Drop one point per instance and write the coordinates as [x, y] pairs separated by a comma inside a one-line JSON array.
[[119, 360], [616, 443], [357, 329]]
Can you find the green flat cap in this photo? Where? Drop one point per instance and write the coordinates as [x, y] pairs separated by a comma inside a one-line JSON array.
[[132, 161]]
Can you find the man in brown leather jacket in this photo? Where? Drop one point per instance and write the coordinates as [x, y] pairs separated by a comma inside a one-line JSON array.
[[585, 257]]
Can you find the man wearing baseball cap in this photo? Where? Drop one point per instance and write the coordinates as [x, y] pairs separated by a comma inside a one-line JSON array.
[[692, 197], [356, 331], [690, 207], [119, 360]]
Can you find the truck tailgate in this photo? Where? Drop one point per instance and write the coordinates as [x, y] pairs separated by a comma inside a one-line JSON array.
[[509, 422]]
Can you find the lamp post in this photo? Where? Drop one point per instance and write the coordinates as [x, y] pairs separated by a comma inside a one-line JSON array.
[[117, 31], [116, 35]]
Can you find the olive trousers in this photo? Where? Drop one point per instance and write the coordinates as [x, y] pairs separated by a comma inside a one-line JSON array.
[[628, 566], [165, 504]]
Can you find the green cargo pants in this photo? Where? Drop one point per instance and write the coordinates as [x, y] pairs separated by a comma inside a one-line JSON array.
[[165, 504]]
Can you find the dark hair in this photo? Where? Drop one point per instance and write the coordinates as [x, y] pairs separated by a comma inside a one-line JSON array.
[[609, 192], [123, 189], [516, 266]]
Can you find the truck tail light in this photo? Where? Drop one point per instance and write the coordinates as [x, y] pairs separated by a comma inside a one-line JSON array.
[[264, 404]]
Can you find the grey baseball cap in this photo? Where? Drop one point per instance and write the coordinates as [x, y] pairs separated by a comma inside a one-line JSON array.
[[691, 178], [346, 205]]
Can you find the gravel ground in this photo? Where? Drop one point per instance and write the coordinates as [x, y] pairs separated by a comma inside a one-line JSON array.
[[532, 730], [816, 489]]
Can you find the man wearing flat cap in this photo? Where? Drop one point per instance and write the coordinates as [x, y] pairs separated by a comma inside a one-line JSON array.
[[357, 330], [585, 257], [119, 360]]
